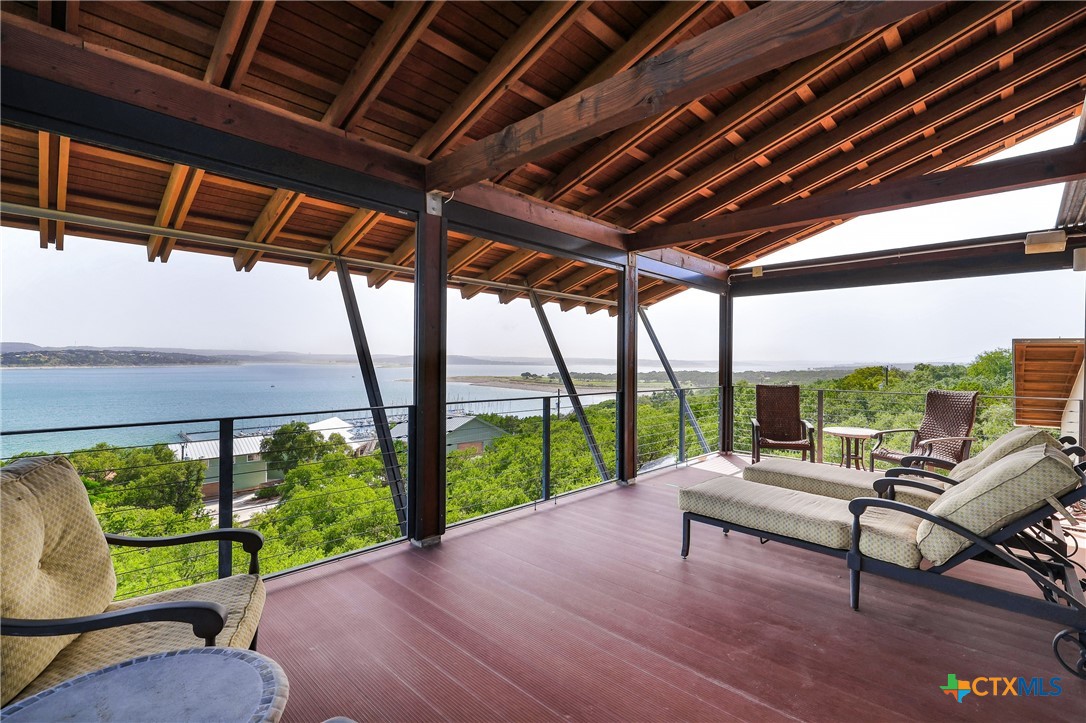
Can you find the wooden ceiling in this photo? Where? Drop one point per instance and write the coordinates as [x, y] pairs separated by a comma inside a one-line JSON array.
[[942, 88], [1045, 371]]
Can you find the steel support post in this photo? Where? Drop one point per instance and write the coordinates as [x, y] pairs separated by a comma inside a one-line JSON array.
[[727, 391], [373, 395], [571, 389], [673, 379], [546, 481], [626, 416], [426, 481], [226, 494]]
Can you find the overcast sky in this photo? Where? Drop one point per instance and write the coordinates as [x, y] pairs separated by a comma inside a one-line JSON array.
[[106, 294]]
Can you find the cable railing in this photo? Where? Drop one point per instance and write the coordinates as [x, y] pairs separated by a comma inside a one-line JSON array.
[[881, 410], [674, 426], [317, 485]]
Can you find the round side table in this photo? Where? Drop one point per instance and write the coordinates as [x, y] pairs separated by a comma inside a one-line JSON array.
[[196, 684], [852, 444]]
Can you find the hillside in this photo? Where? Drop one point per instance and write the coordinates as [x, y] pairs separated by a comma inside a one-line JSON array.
[[104, 358]]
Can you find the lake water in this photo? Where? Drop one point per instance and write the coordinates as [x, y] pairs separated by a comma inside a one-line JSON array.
[[77, 397]]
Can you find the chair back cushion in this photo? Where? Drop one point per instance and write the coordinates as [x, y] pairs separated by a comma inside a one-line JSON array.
[[55, 561], [948, 414], [1004, 491], [777, 411], [1013, 441]]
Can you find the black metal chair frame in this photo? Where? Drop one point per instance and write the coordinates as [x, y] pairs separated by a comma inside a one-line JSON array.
[[206, 618], [1044, 564], [922, 448]]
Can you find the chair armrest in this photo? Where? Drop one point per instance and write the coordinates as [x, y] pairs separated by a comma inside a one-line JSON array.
[[881, 432], [251, 541], [897, 472], [861, 504], [916, 460], [207, 620], [1074, 449], [925, 445], [1068, 439], [888, 485]]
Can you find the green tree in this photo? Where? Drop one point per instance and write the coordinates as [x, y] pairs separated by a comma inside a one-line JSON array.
[[295, 443]]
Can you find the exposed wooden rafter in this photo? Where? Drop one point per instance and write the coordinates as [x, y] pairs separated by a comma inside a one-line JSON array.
[[173, 209], [1035, 169], [768, 37], [53, 156], [275, 214], [382, 56]]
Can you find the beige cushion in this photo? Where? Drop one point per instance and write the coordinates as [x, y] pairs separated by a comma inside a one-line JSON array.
[[884, 534], [830, 481], [1011, 442], [55, 561], [1002, 492], [241, 595]]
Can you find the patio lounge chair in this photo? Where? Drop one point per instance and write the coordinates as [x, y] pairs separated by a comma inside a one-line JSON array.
[[60, 620], [943, 432], [848, 484], [983, 518], [777, 423]]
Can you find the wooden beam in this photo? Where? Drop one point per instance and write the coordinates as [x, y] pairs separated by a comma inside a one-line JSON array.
[[928, 87], [53, 154], [245, 49], [64, 146], [1035, 169], [226, 44], [467, 253], [500, 270], [275, 214], [347, 237], [188, 195], [690, 261], [834, 100], [174, 185], [531, 40], [768, 37], [913, 161], [573, 281], [403, 253], [700, 138], [378, 62], [45, 235]]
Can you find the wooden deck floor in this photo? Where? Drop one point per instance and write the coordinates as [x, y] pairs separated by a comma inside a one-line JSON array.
[[583, 610]]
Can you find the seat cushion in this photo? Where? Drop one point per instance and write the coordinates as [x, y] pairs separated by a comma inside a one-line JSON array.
[[884, 534], [1004, 491], [56, 562], [1011, 442], [241, 595], [830, 481]]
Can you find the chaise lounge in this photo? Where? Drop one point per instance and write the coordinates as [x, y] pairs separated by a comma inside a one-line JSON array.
[[987, 517]]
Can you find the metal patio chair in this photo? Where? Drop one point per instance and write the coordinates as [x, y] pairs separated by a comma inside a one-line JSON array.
[[777, 423], [943, 434]]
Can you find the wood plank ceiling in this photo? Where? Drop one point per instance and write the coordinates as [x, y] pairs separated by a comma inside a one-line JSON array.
[[940, 89]]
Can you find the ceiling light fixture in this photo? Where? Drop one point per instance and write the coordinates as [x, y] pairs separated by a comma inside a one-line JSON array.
[[1046, 242]]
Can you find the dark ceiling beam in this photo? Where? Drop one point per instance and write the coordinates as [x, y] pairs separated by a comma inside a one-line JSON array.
[[379, 61], [912, 161], [652, 38], [833, 101], [1035, 169], [956, 260], [55, 81], [866, 148], [532, 39], [766, 38], [702, 137]]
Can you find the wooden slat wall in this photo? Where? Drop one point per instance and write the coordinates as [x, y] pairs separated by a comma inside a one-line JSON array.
[[1045, 368]]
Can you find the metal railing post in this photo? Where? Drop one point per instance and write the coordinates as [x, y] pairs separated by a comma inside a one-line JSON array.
[[821, 420], [546, 448], [226, 494], [682, 425]]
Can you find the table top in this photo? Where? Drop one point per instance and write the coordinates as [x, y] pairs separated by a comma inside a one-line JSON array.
[[851, 432], [197, 684]]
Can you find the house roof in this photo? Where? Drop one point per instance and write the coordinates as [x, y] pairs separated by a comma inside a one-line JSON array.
[[451, 425], [250, 444], [932, 90]]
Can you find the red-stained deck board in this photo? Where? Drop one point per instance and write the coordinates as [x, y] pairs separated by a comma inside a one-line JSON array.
[[584, 610]]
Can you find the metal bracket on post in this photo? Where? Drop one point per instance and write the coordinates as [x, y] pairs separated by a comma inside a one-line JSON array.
[[571, 390], [434, 202], [373, 394], [674, 383]]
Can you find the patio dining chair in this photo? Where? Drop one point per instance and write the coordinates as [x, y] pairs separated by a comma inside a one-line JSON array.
[[943, 433], [777, 423]]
